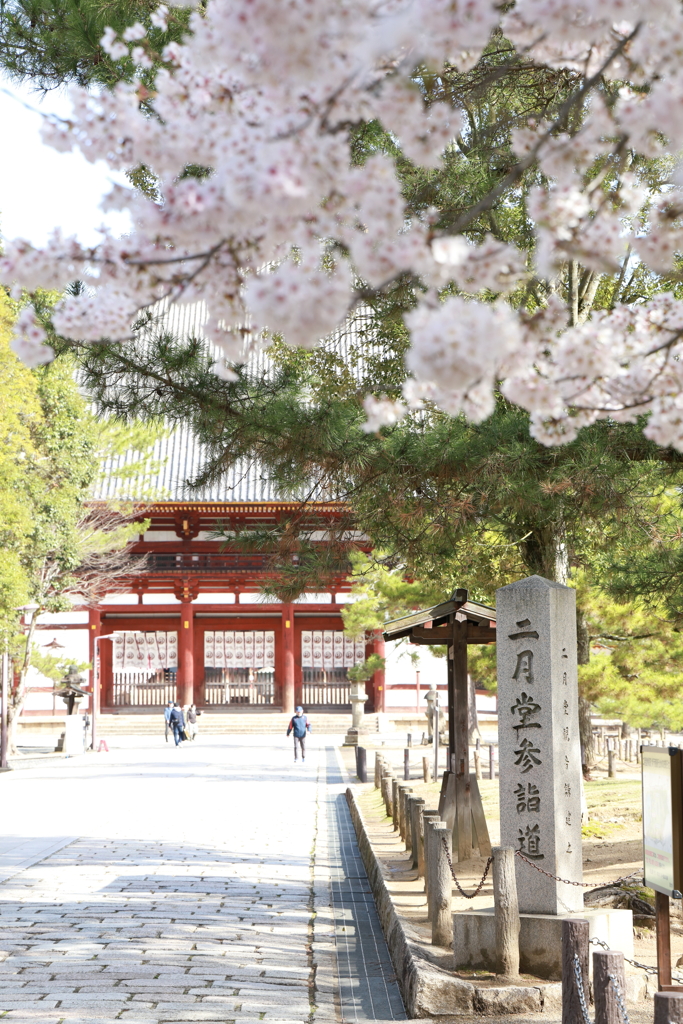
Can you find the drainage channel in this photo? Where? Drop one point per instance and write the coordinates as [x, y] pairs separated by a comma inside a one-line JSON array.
[[368, 989]]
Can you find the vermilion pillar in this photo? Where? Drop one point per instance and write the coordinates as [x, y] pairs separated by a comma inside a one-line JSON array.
[[185, 689], [378, 677], [95, 623], [288, 658]]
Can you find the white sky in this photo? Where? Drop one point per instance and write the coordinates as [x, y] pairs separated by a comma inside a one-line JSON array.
[[41, 189]]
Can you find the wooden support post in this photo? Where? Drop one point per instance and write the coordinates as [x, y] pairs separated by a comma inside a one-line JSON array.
[[394, 802], [442, 912], [415, 807], [479, 826], [668, 1008], [575, 935], [506, 911], [663, 927], [425, 770], [610, 764], [406, 763], [362, 763], [409, 739], [461, 741], [605, 963], [378, 770]]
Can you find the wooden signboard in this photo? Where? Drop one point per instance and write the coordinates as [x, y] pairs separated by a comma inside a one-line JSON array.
[[662, 769]]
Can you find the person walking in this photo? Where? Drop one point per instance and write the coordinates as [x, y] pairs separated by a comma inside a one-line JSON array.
[[167, 719], [192, 726], [299, 725], [177, 720]]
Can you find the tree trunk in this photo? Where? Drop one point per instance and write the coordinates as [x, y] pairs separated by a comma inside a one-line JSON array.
[[17, 695]]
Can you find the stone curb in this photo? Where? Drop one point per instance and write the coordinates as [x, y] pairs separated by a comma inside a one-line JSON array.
[[427, 990]]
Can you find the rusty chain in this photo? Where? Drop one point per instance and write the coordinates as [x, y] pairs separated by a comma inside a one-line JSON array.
[[549, 874], [582, 885], [467, 895]]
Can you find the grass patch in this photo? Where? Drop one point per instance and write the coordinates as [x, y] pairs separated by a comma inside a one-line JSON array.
[[614, 798], [599, 829]]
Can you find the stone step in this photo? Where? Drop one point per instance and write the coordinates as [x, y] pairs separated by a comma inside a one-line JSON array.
[[222, 724]]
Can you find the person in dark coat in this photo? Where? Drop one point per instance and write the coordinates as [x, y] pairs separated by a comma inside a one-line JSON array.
[[167, 719], [299, 725], [177, 723]]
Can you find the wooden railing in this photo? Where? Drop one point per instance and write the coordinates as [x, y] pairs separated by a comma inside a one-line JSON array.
[[234, 686], [140, 689], [326, 687]]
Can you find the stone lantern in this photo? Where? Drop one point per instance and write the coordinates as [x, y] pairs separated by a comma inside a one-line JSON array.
[[71, 689]]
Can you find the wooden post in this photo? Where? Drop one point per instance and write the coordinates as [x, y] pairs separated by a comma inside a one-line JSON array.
[[430, 855], [442, 913], [610, 764], [288, 659], [492, 767], [461, 741], [425, 769], [403, 791], [606, 962], [506, 911], [361, 756], [415, 808], [394, 802], [378, 770], [409, 739], [427, 816], [406, 763], [668, 1008], [663, 939], [575, 935], [477, 761]]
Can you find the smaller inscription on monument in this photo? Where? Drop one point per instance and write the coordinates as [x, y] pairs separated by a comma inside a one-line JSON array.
[[538, 735]]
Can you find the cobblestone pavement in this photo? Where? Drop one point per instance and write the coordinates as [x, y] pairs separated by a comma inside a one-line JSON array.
[[213, 882]]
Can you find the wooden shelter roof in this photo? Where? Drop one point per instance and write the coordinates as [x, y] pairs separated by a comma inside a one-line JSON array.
[[430, 625]]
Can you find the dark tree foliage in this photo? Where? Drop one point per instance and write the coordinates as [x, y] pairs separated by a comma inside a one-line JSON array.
[[53, 42]]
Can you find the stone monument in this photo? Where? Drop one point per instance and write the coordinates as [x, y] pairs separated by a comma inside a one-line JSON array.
[[358, 698], [538, 741], [540, 783]]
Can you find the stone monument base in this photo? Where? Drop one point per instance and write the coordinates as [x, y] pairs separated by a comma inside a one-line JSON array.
[[540, 939]]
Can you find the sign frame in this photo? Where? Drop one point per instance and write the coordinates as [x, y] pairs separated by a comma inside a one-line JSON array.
[[662, 799]]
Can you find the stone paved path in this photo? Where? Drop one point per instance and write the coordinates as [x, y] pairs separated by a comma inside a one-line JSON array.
[[215, 882]]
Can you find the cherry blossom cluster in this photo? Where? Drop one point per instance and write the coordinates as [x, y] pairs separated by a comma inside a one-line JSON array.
[[263, 218]]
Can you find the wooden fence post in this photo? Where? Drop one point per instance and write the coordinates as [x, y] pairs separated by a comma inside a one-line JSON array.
[[575, 934], [427, 817], [605, 963], [610, 763], [414, 808], [506, 909], [406, 764], [668, 1007], [394, 802], [425, 769], [361, 764], [442, 912], [378, 770]]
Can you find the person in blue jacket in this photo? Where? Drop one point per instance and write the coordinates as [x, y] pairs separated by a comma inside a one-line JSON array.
[[299, 725], [177, 723]]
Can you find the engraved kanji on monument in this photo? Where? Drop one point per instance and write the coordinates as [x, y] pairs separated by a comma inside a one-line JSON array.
[[539, 747]]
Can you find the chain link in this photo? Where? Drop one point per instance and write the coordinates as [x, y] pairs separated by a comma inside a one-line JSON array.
[[582, 885], [578, 974], [467, 895], [614, 982], [634, 963]]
